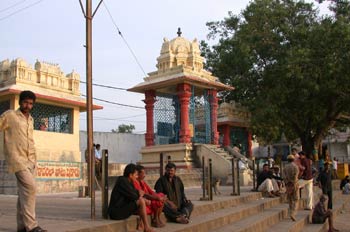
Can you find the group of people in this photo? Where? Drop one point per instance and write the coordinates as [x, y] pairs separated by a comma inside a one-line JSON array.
[[131, 195], [297, 174]]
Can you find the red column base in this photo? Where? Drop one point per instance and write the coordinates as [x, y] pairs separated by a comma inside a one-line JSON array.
[[149, 139]]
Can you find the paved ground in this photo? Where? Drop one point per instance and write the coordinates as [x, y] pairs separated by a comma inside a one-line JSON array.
[[342, 221], [65, 211]]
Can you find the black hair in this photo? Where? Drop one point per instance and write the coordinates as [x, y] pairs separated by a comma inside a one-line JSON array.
[[266, 165], [302, 153], [26, 94], [129, 169], [139, 168], [170, 166], [98, 145]]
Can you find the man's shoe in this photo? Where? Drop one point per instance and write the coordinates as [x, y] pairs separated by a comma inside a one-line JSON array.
[[307, 209], [22, 230], [38, 229]]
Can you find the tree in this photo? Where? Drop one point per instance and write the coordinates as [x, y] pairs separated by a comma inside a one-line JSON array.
[[123, 128], [289, 66]]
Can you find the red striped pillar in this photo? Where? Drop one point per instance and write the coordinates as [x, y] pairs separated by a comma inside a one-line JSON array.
[[227, 139], [184, 93], [214, 115], [150, 99], [250, 152]]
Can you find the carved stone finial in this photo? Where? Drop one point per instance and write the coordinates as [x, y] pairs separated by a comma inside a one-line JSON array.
[[179, 32]]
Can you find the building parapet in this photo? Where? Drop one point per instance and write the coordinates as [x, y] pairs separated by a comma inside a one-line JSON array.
[[44, 74]]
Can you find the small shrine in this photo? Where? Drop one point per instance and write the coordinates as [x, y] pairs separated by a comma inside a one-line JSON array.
[[233, 126], [181, 103]]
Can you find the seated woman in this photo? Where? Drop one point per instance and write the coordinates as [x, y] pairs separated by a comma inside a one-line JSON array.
[[154, 201], [126, 200]]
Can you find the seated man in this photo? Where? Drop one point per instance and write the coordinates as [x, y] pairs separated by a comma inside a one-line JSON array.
[[177, 208], [266, 182], [154, 201], [343, 182], [346, 188], [277, 177], [320, 214], [126, 200]]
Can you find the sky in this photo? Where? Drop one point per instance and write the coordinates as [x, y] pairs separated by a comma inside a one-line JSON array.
[[54, 31]]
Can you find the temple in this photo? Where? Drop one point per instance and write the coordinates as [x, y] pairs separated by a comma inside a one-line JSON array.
[[181, 103]]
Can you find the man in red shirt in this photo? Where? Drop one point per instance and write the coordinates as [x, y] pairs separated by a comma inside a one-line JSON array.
[[306, 180], [154, 201]]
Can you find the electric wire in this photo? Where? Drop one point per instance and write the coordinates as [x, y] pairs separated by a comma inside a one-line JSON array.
[[126, 43], [105, 86], [11, 6], [19, 10], [116, 103]]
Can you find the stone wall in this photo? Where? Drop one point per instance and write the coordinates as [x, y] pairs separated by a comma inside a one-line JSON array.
[[122, 147], [8, 183]]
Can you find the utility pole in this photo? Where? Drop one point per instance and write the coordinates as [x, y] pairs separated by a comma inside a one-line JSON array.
[[89, 16]]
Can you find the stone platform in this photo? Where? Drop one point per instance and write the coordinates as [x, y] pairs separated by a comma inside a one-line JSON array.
[[248, 212]]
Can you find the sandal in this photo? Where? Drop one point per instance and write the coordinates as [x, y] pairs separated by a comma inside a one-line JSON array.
[[38, 229], [182, 220]]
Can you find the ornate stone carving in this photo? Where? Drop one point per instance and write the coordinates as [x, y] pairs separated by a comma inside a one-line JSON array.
[[45, 74]]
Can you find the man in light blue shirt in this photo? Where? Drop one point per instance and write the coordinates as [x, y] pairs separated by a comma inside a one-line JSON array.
[[98, 160]]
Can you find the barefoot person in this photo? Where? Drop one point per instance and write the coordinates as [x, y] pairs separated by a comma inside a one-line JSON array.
[[21, 158], [320, 214], [154, 201], [291, 173], [177, 208], [126, 200]]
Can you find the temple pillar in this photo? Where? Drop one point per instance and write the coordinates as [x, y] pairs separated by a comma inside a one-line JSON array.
[[249, 139], [150, 98], [214, 115], [184, 93], [227, 139]]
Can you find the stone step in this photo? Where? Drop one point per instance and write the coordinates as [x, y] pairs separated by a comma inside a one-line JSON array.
[[212, 220], [338, 206], [257, 222], [303, 217]]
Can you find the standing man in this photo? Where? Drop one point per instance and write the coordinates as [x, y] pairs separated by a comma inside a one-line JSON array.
[[297, 161], [325, 182], [98, 161], [335, 168], [307, 180], [21, 158], [178, 208], [291, 173]]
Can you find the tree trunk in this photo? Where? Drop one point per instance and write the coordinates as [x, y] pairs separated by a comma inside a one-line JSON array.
[[310, 146]]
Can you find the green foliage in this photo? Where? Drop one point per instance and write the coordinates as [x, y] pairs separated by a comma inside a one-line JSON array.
[[288, 64], [123, 128]]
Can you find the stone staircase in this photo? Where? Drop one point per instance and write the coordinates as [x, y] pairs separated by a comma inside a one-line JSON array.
[[248, 212], [190, 177], [252, 212]]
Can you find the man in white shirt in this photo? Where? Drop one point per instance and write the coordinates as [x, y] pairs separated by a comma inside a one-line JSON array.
[[98, 160], [335, 168]]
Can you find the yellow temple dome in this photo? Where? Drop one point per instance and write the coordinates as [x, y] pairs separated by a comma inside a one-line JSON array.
[[180, 52]]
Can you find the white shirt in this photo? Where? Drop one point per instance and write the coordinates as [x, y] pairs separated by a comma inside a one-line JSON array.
[[98, 154], [335, 164]]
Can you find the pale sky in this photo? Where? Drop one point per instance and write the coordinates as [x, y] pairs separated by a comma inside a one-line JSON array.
[[54, 31]]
